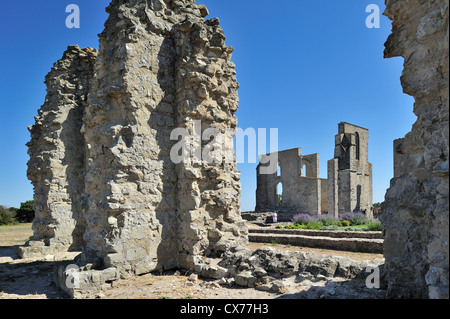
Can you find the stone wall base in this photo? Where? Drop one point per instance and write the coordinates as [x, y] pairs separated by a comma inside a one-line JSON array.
[[76, 281], [261, 269], [35, 249]]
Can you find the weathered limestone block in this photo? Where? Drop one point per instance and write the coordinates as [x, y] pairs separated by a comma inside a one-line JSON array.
[[56, 149], [416, 210]]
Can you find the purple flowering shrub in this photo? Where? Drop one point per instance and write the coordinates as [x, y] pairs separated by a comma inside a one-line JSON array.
[[355, 218], [303, 219], [329, 222]]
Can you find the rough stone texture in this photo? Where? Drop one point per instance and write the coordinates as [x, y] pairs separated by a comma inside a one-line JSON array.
[[56, 149], [302, 191], [350, 173], [160, 66], [416, 211], [171, 67], [264, 268], [209, 191]]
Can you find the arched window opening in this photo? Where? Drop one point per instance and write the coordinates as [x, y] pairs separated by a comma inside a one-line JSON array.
[[280, 194]]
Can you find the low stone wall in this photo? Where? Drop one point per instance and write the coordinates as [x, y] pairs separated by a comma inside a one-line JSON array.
[[320, 233], [314, 240]]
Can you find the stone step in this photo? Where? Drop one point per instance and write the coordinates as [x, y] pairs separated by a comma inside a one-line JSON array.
[[320, 233], [362, 245]]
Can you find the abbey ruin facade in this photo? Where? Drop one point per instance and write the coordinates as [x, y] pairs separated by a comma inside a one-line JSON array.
[[105, 185], [303, 190], [347, 189]]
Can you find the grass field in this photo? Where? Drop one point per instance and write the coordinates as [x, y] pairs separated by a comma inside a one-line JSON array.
[[15, 235]]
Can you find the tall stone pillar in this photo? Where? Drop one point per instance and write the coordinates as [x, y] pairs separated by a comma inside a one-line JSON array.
[[161, 68], [350, 172], [107, 179], [56, 166], [415, 213], [209, 187], [333, 202]]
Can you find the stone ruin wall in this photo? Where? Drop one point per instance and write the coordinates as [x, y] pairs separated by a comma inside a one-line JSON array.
[[416, 211], [302, 191], [171, 67], [160, 66], [139, 211], [348, 187], [56, 166]]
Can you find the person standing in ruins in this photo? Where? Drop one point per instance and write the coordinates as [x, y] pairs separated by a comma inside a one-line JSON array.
[[275, 217]]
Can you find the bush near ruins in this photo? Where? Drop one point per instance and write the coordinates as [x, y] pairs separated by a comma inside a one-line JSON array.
[[355, 218], [351, 221], [7, 216], [303, 219], [315, 225], [374, 225], [344, 223], [328, 220]]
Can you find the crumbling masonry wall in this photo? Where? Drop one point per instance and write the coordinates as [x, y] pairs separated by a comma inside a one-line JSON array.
[[347, 189], [302, 191], [56, 165], [416, 210], [160, 66]]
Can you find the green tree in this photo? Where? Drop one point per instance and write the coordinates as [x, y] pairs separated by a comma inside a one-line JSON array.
[[6, 216], [280, 200], [25, 214]]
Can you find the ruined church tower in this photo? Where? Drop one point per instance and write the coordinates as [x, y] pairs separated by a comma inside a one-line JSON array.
[[350, 172]]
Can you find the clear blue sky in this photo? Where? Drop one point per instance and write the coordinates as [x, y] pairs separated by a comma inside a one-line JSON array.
[[303, 66]]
